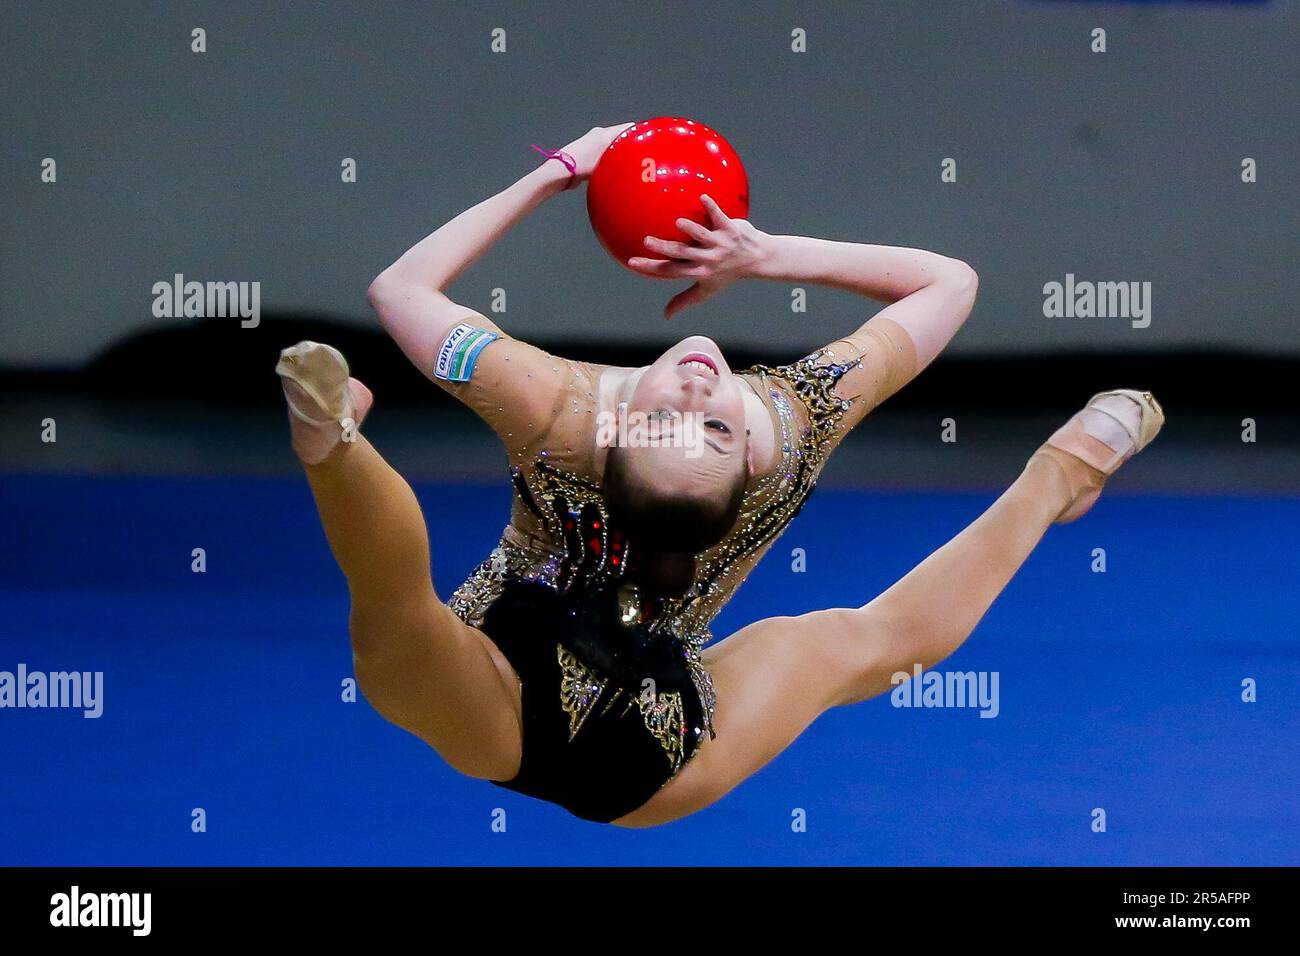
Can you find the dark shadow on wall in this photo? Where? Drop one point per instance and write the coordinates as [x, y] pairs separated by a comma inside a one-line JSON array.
[[218, 362]]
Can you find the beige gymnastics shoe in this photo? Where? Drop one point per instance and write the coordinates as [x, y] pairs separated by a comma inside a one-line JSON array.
[[1112, 428], [324, 401]]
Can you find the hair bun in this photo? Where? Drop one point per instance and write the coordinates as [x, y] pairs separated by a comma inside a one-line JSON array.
[[666, 574]]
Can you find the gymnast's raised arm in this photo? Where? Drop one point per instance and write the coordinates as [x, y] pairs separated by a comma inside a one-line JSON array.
[[929, 295], [410, 295]]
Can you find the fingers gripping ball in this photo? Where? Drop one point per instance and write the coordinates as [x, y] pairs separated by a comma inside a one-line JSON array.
[[652, 174]]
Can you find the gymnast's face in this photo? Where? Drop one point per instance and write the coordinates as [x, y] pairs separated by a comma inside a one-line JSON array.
[[696, 400]]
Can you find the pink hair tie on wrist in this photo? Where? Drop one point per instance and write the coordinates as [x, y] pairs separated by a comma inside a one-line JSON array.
[[564, 158]]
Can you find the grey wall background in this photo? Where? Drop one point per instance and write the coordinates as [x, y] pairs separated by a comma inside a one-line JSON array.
[[225, 165]]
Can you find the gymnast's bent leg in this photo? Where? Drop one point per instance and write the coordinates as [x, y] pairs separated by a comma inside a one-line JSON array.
[[775, 677], [416, 663]]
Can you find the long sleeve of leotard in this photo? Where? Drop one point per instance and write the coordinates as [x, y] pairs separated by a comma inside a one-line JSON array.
[[867, 367], [525, 394]]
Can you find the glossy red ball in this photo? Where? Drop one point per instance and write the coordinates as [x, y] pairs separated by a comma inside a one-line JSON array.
[[652, 174]]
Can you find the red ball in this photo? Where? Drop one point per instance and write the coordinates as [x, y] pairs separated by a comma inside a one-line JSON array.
[[652, 174]]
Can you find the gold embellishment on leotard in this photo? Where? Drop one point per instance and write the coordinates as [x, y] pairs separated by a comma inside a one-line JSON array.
[[663, 714], [629, 605], [471, 600], [703, 682], [580, 689], [548, 483], [613, 699], [665, 717]]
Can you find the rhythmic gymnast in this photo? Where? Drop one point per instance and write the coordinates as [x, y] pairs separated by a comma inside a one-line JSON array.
[[575, 664]]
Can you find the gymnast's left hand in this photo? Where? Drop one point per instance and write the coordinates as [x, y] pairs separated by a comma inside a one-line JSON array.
[[733, 249]]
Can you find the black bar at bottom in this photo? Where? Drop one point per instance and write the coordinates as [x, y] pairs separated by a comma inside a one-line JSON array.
[[544, 905]]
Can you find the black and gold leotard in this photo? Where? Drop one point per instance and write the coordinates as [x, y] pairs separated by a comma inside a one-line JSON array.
[[616, 698]]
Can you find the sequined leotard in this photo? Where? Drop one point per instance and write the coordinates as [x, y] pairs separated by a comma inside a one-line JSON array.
[[591, 733]]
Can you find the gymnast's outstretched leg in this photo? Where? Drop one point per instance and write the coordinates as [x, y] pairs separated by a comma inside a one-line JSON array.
[[416, 662], [775, 677]]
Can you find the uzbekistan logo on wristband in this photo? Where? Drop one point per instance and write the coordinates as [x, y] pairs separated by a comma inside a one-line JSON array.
[[460, 351]]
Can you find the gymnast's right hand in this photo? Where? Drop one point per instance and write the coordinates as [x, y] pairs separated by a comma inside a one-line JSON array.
[[586, 149]]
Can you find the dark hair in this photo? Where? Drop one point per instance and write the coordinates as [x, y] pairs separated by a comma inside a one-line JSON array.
[[665, 532]]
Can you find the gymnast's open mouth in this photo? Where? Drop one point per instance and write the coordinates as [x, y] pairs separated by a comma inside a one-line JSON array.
[[698, 360]]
